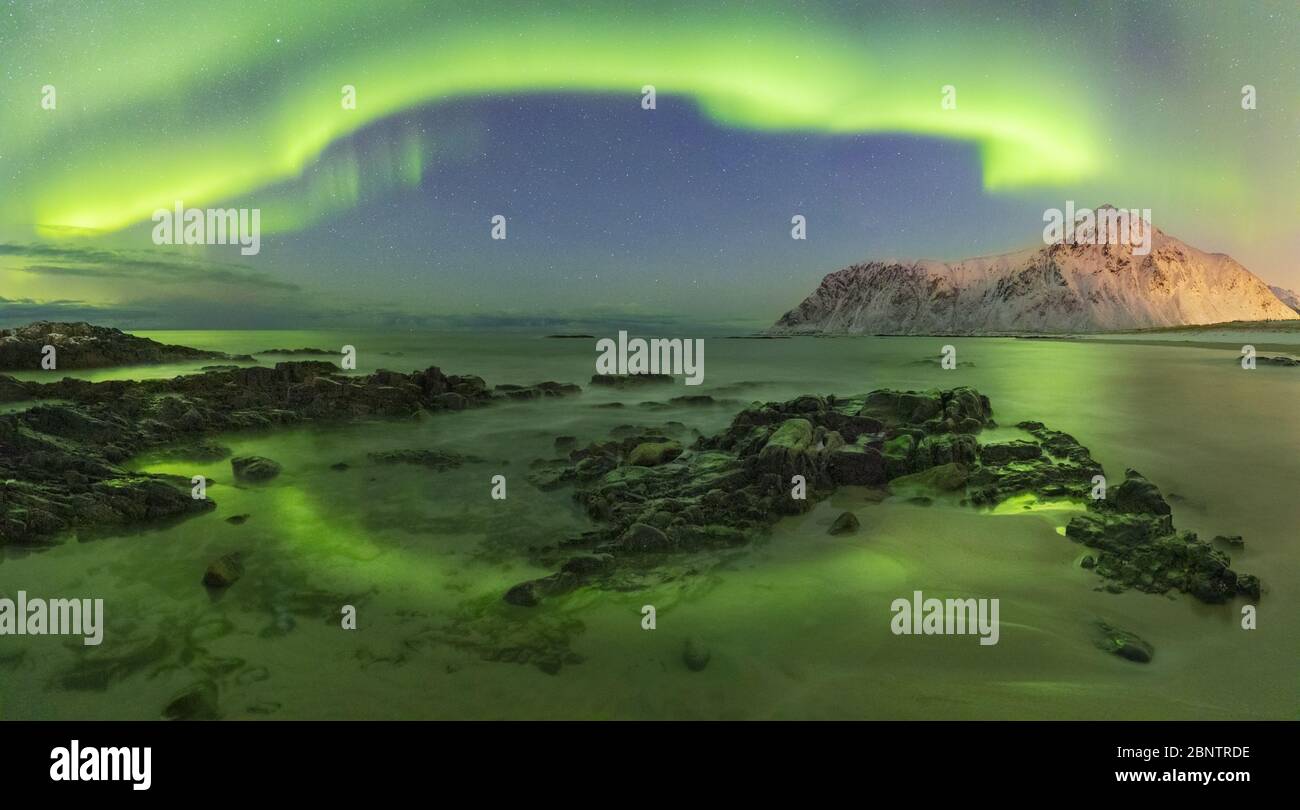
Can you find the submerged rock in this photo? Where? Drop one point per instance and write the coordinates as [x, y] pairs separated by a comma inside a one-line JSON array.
[[695, 655], [433, 459], [224, 571], [1124, 644], [197, 702]]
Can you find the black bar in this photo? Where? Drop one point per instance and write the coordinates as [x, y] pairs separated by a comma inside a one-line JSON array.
[[331, 759]]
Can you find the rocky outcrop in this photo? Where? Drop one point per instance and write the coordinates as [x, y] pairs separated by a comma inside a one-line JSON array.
[[61, 463], [726, 488], [83, 345]]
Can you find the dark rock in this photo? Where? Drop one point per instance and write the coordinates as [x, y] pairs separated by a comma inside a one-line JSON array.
[[1003, 452], [944, 478], [695, 655], [898, 453], [538, 391], [846, 523], [83, 345], [630, 380], [197, 451], [1248, 586], [224, 571], [856, 464], [254, 468], [531, 593], [238, 520], [698, 400], [652, 454], [643, 537], [433, 459], [1138, 495], [1124, 644], [197, 702], [320, 352]]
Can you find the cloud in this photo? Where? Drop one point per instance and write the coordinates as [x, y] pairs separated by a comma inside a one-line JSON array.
[[15, 311], [122, 265]]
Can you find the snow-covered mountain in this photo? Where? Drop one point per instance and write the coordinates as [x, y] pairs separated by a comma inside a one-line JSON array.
[[1288, 297], [1065, 287]]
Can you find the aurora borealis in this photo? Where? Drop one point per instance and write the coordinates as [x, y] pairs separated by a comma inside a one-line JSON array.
[[532, 110]]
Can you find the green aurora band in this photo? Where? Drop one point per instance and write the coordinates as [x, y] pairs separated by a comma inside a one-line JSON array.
[[210, 105]]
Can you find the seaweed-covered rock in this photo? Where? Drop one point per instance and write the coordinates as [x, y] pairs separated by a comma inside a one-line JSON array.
[[791, 441], [944, 478], [898, 454], [652, 454]]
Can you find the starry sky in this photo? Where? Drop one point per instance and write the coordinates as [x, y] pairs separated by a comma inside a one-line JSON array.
[[381, 215]]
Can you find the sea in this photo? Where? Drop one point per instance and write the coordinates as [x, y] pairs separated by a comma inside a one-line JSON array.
[[797, 625]]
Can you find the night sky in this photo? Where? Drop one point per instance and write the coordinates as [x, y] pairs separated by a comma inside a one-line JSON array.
[[381, 215]]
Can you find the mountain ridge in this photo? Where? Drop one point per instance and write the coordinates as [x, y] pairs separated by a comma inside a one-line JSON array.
[[1067, 286]]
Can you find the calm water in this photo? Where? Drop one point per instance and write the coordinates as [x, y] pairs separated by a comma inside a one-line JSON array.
[[798, 625]]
